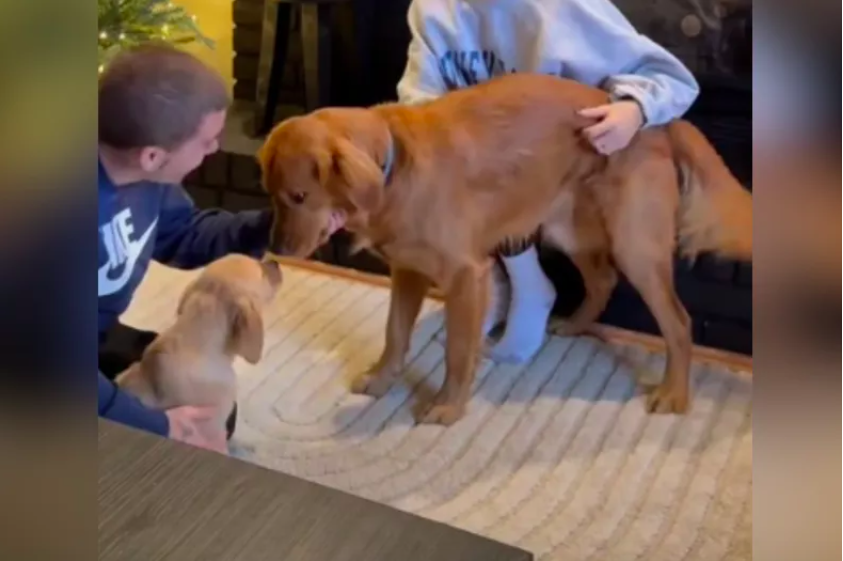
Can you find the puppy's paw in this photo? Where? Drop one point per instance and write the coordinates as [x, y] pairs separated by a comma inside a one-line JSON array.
[[664, 400], [445, 414], [374, 385]]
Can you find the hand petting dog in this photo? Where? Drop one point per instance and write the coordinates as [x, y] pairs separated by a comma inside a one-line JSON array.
[[617, 125], [198, 427]]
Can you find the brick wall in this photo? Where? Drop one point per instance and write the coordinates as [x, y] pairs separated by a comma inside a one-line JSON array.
[[348, 76], [248, 20]]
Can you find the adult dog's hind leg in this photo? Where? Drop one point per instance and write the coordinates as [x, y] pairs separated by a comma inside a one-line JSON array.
[[600, 279], [643, 230], [406, 297], [654, 282], [585, 240]]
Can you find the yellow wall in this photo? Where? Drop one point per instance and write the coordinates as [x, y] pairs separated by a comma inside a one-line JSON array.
[[215, 20]]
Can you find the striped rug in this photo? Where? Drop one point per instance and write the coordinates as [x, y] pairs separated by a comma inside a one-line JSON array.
[[556, 457]]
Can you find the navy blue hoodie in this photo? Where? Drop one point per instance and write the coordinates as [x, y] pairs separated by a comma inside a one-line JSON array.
[[145, 221]]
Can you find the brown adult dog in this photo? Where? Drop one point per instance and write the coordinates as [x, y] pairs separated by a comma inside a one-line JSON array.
[[218, 317], [435, 188]]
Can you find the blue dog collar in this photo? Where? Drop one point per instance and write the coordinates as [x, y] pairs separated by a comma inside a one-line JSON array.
[[389, 162]]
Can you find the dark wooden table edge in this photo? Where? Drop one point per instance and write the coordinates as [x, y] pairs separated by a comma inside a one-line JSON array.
[[105, 425]]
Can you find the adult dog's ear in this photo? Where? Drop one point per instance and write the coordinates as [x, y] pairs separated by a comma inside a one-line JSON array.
[[246, 336], [358, 181]]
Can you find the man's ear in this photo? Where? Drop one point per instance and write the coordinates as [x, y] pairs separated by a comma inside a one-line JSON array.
[[247, 330], [360, 179], [151, 158]]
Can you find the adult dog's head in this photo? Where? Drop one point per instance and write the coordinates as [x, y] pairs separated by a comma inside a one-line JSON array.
[[330, 161]]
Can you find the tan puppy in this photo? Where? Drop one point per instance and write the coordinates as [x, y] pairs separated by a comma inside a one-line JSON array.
[[435, 188], [218, 317]]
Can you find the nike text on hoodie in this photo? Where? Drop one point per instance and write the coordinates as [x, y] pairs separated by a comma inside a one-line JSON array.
[[459, 43]]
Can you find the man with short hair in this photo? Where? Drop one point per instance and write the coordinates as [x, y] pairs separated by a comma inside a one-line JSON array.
[[161, 112]]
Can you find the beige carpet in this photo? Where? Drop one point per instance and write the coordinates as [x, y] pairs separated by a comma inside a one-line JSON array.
[[557, 457]]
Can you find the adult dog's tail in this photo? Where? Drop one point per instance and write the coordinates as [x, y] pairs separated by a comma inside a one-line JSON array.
[[716, 211]]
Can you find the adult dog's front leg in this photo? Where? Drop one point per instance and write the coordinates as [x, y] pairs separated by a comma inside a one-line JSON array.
[[407, 295], [465, 302]]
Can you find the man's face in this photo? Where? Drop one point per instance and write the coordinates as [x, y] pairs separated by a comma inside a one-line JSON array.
[[174, 165]]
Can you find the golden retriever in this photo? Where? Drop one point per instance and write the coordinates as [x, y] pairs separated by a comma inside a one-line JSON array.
[[218, 318], [435, 188]]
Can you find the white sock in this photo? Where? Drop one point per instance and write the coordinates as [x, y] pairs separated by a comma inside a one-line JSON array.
[[499, 296], [532, 300], [495, 314]]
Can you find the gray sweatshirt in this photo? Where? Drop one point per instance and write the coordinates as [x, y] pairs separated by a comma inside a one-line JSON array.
[[459, 43]]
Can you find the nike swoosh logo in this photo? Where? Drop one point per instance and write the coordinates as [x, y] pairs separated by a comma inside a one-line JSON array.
[[107, 286]]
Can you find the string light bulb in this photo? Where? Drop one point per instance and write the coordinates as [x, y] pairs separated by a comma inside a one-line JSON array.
[[122, 36], [103, 35], [100, 69], [165, 29]]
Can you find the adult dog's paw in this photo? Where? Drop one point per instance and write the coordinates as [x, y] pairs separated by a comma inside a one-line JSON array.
[[375, 385], [443, 414], [664, 399]]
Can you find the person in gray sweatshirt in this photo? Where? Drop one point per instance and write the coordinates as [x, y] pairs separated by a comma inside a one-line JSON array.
[[460, 43]]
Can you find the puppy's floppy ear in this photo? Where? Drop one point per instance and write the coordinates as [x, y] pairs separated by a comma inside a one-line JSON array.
[[246, 336], [191, 289], [361, 180]]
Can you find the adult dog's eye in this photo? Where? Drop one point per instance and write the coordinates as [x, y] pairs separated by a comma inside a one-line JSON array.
[[298, 197]]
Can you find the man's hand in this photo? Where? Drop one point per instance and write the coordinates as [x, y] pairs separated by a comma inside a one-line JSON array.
[[198, 426], [618, 123]]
